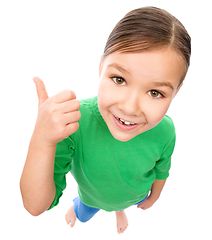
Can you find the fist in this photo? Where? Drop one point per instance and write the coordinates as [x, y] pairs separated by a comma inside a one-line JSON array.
[[146, 204], [58, 116]]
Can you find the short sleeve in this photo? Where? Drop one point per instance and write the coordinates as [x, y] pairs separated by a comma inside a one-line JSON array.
[[163, 165], [63, 158]]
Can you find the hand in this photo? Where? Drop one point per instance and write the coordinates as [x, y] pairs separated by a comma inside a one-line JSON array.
[[57, 115], [146, 204]]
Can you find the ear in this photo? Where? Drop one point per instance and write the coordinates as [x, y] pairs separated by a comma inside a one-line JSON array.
[[178, 89], [100, 66]]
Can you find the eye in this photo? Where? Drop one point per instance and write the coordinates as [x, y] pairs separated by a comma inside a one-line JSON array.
[[119, 80], [155, 94]]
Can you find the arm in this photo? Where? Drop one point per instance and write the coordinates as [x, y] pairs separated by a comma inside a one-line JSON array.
[[161, 168], [156, 190], [37, 184], [57, 119]]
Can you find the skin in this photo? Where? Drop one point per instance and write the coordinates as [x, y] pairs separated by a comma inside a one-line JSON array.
[[127, 82], [136, 87]]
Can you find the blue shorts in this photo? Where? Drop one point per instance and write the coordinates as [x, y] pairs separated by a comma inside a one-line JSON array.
[[85, 213]]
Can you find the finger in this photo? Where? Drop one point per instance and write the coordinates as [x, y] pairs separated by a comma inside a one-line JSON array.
[[69, 106], [71, 128], [72, 117], [41, 90], [140, 206], [64, 96]]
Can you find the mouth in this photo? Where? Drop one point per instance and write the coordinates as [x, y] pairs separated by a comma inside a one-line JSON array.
[[126, 123]]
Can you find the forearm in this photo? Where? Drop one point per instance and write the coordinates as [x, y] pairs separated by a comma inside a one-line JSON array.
[[37, 183], [156, 190]]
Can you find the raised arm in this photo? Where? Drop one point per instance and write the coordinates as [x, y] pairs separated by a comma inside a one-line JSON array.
[[57, 119]]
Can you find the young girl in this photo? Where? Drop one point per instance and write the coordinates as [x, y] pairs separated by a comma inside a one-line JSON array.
[[118, 145]]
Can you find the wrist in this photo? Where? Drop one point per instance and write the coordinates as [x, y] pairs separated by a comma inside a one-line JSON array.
[[38, 141], [153, 198]]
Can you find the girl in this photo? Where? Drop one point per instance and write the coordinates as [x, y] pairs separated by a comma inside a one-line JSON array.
[[118, 145]]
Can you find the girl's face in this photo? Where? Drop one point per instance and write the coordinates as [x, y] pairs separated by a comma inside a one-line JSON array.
[[136, 90]]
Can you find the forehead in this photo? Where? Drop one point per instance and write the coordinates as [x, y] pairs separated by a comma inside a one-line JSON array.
[[164, 64]]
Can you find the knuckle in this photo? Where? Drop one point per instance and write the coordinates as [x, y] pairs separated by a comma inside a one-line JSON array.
[[78, 115], [74, 127], [75, 116], [70, 94], [74, 105], [77, 104], [70, 130]]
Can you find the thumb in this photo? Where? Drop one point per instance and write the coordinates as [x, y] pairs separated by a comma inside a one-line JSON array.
[[41, 90]]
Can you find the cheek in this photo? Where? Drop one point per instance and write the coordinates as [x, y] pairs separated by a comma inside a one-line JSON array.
[[106, 94], [156, 112]]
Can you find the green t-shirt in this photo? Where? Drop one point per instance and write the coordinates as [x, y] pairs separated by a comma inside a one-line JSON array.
[[112, 175]]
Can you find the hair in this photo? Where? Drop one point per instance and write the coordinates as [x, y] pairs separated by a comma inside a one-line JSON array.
[[146, 29]]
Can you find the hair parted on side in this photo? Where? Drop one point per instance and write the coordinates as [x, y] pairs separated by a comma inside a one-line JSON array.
[[149, 28]]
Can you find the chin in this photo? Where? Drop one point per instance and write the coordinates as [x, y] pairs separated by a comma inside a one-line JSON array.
[[123, 137]]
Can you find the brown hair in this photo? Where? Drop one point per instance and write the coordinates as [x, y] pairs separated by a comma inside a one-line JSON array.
[[149, 28]]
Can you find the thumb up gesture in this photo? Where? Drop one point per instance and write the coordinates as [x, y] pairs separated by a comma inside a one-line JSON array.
[[57, 115]]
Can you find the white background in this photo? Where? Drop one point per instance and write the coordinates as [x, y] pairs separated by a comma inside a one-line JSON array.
[[61, 42]]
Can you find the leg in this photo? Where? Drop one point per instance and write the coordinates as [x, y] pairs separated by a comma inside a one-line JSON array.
[[122, 222], [80, 211]]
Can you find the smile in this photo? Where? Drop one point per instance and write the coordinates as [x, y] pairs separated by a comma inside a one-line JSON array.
[[122, 121], [123, 124]]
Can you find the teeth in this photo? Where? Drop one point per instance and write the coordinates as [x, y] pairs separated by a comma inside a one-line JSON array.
[[124, 122]]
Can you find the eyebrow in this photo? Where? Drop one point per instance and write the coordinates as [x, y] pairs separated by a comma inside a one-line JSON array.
[[123, 70], [119, 68], [164, 84]]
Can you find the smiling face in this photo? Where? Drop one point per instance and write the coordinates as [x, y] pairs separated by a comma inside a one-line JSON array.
[[136, 90]]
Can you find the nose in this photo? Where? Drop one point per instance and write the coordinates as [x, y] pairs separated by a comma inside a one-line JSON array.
[[130, 104]]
